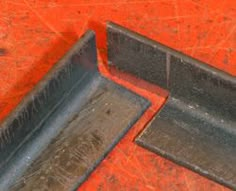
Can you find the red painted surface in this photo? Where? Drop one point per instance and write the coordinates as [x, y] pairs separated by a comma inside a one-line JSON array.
[[35, 34]]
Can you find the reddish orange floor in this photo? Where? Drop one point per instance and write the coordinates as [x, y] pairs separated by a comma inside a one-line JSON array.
[[35, 34]]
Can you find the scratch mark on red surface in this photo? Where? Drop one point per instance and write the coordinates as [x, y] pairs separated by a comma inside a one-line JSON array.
[[231, 32], [198, 42], [109, 3], [45, 22], [15, 3], [187, 182], [178, 19]]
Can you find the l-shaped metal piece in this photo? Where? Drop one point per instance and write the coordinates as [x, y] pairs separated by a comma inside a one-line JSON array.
[[66, 125], [197, 126]]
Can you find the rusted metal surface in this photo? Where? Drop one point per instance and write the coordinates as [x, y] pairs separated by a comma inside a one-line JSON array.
[[197, 127], [66, 125]]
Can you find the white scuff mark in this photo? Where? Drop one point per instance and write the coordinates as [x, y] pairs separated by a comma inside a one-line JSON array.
[[191, 107]]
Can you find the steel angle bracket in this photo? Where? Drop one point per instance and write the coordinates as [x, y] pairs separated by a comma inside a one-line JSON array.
[[66, 125], [197, 126]]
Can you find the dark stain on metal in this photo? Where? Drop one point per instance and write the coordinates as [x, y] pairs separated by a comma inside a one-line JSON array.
[[197, 126], [66, 125]]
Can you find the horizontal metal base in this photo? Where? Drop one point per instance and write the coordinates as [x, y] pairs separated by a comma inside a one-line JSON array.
[[66, 125], [178, 134]]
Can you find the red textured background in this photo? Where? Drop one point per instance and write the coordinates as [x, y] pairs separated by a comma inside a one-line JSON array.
[[36, 33]]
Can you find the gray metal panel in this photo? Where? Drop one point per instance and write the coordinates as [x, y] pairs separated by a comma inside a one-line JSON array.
[[205, 87], [132, 53]]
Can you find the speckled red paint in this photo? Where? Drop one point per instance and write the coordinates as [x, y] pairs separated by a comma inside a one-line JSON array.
[[35, 34]]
